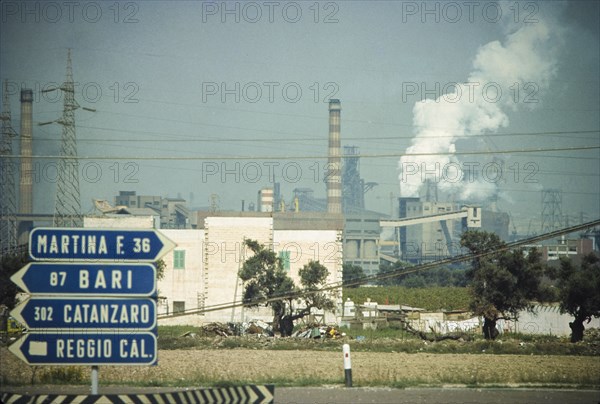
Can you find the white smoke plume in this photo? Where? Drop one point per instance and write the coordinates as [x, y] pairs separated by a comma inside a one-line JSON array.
[[525, 57]]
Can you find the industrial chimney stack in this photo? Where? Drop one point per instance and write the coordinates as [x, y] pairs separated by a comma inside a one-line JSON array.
[[334, 169], [26, 182]]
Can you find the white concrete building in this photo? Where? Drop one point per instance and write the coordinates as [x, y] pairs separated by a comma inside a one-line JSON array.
[[293, 241], [200, 276]]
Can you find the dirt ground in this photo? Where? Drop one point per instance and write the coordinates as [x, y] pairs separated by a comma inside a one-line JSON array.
[[222, 367]]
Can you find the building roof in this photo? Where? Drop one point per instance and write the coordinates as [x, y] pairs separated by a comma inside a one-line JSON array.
[[285, 220], [397, 307], [142, 212]]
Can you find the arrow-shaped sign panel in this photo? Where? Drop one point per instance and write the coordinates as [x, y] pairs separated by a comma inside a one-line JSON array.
[[51, 278], [117, 245], [86, 349], [52, 313]]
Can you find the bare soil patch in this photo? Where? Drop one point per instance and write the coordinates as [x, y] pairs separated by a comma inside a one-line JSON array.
[[240, 366]]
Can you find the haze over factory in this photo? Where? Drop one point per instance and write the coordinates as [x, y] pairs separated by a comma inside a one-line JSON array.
[[363, 149]]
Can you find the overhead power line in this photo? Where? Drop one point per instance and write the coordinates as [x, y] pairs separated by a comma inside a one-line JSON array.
[[298, 137], [320, 156]]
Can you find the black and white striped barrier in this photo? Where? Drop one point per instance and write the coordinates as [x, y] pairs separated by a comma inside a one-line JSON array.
[[240, 394]]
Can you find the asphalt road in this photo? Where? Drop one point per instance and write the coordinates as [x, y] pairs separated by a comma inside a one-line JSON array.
[[420, 395], [289, 395]]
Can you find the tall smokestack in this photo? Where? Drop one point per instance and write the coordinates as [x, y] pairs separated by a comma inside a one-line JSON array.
[[26, 182], [334, 178]]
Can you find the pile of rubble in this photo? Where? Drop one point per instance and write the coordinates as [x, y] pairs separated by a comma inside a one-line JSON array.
[[255, 327], [262, 329], [318, 331], [216, 329]]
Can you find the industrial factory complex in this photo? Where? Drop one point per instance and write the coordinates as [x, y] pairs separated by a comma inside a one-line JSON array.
[[201, 274]]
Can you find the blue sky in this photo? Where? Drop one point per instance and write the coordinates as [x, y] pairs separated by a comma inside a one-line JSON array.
[[207, 80]]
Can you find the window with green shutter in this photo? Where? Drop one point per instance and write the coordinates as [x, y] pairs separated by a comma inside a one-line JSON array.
[[284, 256], [178, 307], [179, 259]]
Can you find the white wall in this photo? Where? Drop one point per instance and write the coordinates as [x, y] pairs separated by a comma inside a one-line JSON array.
[[225, 254], [223, 257], [545, 320], [183, 285]]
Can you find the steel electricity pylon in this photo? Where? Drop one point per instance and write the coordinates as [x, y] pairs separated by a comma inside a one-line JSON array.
[[8, 202], [552, 218], [67, 207]]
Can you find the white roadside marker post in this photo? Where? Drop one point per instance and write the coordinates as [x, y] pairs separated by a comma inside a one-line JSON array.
[[347, 365]]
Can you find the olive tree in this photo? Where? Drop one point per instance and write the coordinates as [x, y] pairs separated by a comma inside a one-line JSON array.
[[502, 282], [266, 282], [352, 273], [579, 292]]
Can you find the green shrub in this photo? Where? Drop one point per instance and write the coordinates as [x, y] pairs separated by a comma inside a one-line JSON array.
[[62, 375]]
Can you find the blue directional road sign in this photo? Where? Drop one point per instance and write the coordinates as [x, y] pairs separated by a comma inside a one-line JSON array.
[[51, 313], [52, 278], [86, 349], [142, 245]]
